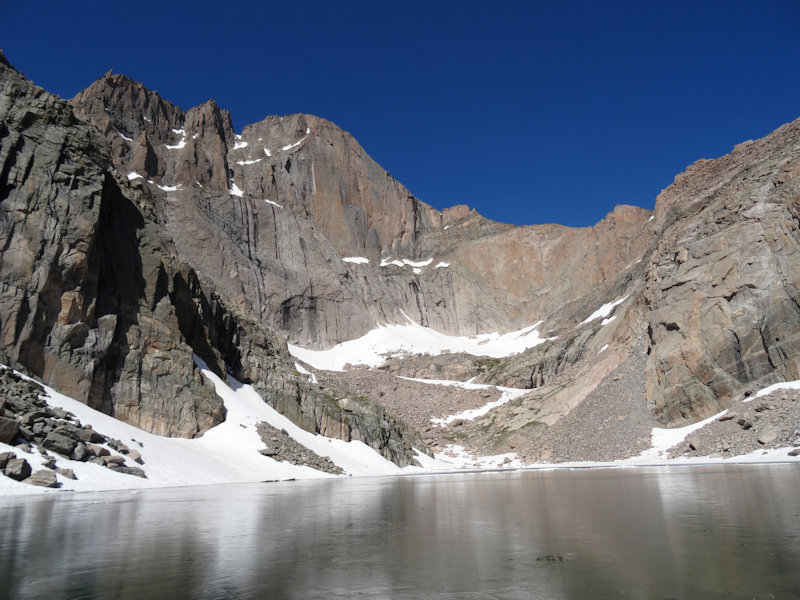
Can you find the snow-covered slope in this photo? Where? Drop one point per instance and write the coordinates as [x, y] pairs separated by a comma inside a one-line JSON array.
[[373, 348], [227, 453]]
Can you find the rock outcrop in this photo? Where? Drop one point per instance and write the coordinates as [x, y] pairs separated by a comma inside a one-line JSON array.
[[101, 296], [722, 285]]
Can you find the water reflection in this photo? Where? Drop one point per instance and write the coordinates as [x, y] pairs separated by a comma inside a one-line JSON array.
[[730, 532]]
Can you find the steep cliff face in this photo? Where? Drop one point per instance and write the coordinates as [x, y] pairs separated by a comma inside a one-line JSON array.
[[98, 299], [722, 285], [82, 305], [136, 235], [322, 244]]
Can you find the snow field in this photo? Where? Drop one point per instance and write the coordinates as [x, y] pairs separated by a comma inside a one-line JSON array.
[[227, 453], [375, 346]]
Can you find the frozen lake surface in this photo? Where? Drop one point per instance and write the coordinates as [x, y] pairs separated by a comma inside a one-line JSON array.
[[721, 531]]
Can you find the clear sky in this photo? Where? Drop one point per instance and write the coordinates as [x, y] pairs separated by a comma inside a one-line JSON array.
[[528, 111]]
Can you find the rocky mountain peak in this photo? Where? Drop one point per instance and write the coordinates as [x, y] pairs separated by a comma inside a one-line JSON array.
[[137, 234]]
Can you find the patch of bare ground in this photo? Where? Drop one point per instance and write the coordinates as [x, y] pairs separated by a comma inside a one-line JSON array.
[[414, 402]]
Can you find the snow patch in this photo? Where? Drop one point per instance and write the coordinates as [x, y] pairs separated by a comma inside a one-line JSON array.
[[416, 265], [249, 162], [442, 265], [227, 453], [125, 137], [387, 341], [507, 395], [301, 369], [267, 152], [664, 439], [169, 188], [273, 203], [783, 385], [235, 191], [602, 349], [604, 310], [180, 144], [359, 260], [133, 175], [239, 144], [295, 145], [457, 457]]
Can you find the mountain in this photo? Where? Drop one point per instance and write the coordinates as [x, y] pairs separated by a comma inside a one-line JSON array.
[[137, 236]]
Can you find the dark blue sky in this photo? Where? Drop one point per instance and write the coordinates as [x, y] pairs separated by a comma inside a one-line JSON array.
[[531, 112]]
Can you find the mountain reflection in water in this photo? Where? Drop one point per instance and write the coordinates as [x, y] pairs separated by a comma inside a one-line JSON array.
[[663, 532]]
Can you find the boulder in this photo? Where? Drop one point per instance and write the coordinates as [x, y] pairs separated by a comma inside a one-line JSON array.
[[5, 457], [43, 478], [60, 413], [87, 434], [60, 443], [17, 468], [66, 473], [134, 455], [136, 471], [98, 450], [768, 434], [8, 429], [81, 452]]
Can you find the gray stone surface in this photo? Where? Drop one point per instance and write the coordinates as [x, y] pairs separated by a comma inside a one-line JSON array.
[[43, 478], [60, 443], [17, 468], [8, 429]]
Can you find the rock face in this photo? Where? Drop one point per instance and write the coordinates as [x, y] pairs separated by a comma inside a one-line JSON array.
[[722, 284], [100, 297], [137, 236], [292, 200]]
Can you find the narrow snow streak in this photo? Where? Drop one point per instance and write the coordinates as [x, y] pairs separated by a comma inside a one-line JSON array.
[[359, 260], [507, 395], [249, 162], [295, 145], [604, 310], [301, 369]]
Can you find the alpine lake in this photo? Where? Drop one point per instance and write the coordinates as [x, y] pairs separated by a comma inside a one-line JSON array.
[[678, 532]]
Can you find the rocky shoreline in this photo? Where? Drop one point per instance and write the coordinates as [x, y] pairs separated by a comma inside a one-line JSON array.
[[29, 424]]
